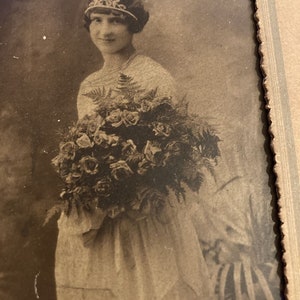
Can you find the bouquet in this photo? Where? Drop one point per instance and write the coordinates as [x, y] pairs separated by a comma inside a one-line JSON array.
[[135, 142]]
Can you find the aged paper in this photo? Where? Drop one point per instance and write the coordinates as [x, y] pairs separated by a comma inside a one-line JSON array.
[[279, 33], [226, 246]]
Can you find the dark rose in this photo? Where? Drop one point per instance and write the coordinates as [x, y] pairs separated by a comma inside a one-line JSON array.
[[122, 101], [73, 177], [113, 140], [152, 152], [144, 166], [80, 190], [82, 125], [109, 159], [173, 150], [94, 123], [105, 140], [161, 129], [92, 127], [84, 141], [101, 138], [56, 161], [83, 193], [128, 148], [68, 150], [120, 170], [64, 195], [130, 118], [115, 118], [89, 165], [103, 187], [62, 166]]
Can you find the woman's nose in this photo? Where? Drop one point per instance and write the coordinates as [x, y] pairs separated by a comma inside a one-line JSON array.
[[105, 29]]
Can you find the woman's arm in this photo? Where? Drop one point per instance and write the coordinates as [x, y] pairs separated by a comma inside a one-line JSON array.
[[84, 104]]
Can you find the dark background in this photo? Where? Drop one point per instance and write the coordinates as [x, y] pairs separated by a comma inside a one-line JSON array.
[[208, 46]]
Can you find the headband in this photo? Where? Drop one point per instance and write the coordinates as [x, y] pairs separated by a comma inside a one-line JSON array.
[[109, 4]]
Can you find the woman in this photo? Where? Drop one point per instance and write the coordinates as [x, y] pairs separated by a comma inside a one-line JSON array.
[[127, 255]]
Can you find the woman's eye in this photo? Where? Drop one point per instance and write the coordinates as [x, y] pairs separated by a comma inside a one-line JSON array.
[[96, 20], [118, 21]]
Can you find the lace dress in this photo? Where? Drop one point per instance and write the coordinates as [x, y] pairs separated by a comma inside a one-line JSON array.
[[132, 256]]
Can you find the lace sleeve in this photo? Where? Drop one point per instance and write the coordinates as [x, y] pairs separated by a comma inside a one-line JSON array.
[[151, 75], [85, 105]]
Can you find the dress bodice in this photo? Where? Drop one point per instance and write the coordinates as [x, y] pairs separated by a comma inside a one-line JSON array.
[[147, 73]]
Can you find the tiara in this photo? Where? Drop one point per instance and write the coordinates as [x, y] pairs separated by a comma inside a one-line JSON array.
[[109, 4]]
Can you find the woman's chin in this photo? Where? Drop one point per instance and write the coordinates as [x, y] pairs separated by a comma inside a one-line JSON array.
[[111, 50]]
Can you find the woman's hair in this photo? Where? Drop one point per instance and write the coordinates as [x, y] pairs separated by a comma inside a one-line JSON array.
[[134, 7]]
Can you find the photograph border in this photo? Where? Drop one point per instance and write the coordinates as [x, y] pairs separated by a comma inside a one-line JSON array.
[[282, 122]]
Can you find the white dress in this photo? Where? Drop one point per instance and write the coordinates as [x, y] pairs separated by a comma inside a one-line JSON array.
[[131, 257]]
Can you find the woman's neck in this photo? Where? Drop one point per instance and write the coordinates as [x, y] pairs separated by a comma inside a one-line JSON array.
[[117, 60]]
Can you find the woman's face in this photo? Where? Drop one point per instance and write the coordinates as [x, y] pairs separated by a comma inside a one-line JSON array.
[[109, 32]]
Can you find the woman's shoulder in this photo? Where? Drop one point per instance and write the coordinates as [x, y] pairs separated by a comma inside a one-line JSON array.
[[90, 80], [148, 66], [151, 74]]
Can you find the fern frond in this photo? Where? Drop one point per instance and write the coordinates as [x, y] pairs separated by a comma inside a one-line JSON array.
[[150, 95], [207, 164], [209, 144], [127, 87], [99, 95]]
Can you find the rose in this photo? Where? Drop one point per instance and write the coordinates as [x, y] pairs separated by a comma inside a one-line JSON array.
[[92, 127], [56, 161], [84, 141], [120, 170], [104, 140], [83, 194], [73, 177], [146, 106], [65, 195], [103, 187], [175, 148], [95, 122], [113, 140], [101, 138], [161, 129], [89, 165], [61, 165], [144, 166], [122, 101], [152, 152], [172, 151], [130, 118], [64, 168], [128, 148], [115, 118], [109, 159], [82, 125], [68, 150]]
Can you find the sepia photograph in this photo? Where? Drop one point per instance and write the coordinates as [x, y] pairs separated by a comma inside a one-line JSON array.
[[135, 157]]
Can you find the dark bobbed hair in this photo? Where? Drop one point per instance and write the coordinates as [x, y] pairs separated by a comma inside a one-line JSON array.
[[133, 6]]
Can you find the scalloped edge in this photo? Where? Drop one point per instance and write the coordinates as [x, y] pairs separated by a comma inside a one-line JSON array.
[[270, 56]]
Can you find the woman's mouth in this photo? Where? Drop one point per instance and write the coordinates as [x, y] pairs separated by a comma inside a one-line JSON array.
[[106, 40]]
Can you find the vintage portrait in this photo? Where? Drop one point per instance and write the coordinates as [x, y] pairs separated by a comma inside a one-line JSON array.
[[135, 154]]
